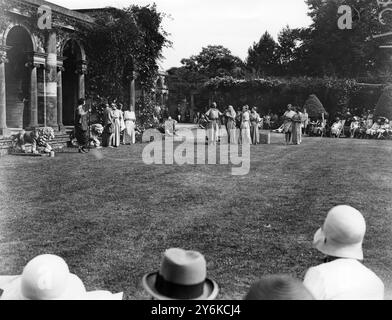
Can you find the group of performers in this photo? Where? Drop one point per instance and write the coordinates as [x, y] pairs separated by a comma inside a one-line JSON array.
[[242, 126], [118, 126]]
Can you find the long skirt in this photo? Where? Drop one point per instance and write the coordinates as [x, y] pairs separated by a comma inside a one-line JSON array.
[[297, 132], [116, 136], [254, 132], [231, 131], [213, 131], [287, 126], [129, 132], [81, 136], [245, 133]]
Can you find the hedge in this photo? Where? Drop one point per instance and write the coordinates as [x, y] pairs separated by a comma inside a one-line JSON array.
[[273, 94]]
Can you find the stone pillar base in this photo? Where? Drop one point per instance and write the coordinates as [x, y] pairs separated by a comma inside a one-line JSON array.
[[61, 128], [31, 128], [5, 132]]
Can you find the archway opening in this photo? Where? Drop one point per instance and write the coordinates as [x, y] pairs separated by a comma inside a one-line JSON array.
[[18, 78], [73, 56]]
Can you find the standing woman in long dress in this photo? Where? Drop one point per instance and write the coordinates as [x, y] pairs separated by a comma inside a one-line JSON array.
[[296, 127], [245, 126], [117, 116], [287, 124], [213, 126], [254, 128], [230, 125], [130, 123], [81, 126]]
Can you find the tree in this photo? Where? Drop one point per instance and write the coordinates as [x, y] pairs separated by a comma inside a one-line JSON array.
[[384, 104], [344, 53], [214, 61], [263, 57], [290, 51], [121, 42]]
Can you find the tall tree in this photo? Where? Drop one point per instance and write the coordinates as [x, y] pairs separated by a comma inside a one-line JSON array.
[[349, 52], [263, 56], [214, 61], [290, 51], [122, 41]]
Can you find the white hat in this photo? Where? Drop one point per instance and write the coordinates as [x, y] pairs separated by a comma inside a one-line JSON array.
[[342, 233], [46, 277], [183, 275]]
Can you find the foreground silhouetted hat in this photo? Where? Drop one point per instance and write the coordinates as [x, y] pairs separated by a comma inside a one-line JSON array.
[[278, 287], [182, 276], [342, 233], [47, 277]]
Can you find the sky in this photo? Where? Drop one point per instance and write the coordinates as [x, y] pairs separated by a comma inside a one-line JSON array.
[[194, 24]]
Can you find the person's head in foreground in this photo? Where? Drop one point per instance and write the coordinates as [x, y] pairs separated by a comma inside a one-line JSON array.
[[278, 287], [47, 277], [342, 277], [214, 105], [182, 276]]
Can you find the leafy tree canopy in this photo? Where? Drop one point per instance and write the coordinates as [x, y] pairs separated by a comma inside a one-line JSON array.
[[121, 42]]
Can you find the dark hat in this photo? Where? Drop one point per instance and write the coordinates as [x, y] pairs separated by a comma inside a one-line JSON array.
[[182, 276]]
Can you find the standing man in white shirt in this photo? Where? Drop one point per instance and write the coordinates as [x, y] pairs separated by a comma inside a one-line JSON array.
[[342, 276]]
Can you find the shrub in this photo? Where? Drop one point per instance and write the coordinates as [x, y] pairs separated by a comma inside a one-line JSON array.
[[384, 104]]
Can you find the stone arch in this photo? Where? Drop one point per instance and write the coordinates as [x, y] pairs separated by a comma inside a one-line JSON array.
[[19, 43], [65, 43], [21, 25], [72, 77]]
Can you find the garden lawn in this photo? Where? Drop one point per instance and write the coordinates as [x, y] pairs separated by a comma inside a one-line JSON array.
[[112, 218]]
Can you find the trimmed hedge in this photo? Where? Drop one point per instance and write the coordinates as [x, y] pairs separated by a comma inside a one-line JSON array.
[[314, 107], [273, 94], [384, 104]]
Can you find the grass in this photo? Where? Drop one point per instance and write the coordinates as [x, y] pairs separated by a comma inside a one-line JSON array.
[[112, 218]]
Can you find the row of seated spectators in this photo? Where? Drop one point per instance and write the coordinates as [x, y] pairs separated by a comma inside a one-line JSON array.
[[360, 128], [183, 274]]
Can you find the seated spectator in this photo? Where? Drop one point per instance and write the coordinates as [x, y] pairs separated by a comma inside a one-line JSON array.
[[182, 276], [355, 126], [170, 126], [382, 133], [278, 287], [47, 277], [342, 276], [372, 132], [361, 133], [336, 128]]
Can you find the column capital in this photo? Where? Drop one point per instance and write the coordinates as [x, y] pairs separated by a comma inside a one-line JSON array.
[[32, 65], [3, 53]]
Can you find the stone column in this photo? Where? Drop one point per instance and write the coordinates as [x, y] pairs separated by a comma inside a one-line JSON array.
[[132, 93], [51, 81], [60, 98], [81, 71], [33, 95], [3, 102]]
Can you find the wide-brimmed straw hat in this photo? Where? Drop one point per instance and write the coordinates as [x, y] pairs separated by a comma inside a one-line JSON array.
[[182, 276], [46, 277], [342, 233], [278, 287]]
